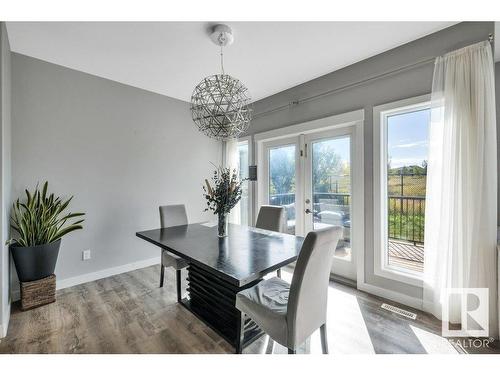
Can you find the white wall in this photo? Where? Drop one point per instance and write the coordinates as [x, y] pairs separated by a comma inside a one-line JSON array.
[[119, 150], [5, 175]]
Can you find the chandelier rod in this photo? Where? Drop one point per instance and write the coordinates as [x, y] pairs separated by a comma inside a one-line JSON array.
[[222, 59]]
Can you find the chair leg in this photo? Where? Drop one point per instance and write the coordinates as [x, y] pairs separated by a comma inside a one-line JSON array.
[[278, 272], [178, 282], [324, 338], [162, 275], [270, 346], [292, 351], [240, 333]]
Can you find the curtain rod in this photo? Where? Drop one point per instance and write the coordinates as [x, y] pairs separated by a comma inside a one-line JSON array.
[[354, 84]]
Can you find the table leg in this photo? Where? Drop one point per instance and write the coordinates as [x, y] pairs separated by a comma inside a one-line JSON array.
[[240, 333], [212, 300]]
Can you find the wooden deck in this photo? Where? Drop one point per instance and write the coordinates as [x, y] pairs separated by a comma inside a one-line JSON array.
[[406, 255]]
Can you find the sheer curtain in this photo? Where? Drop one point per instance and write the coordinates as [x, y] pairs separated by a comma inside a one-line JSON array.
[[232, 162], [461, 202]]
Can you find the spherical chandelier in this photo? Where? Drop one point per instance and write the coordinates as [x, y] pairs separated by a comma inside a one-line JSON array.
[[220, 104]]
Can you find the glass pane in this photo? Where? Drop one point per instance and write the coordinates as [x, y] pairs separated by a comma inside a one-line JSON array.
[[243, 171], [407, 153], [331, 184], [282, 181]]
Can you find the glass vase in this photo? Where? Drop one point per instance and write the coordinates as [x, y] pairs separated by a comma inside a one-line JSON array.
[[222, 225]]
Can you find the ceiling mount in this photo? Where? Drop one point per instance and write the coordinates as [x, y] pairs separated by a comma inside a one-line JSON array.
[[222, 35]]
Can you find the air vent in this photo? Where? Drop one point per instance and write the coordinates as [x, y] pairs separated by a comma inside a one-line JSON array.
[[399, 311]]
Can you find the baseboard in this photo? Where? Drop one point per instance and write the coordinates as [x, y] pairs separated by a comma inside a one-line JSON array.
[[404, 299], [88, 277], [343, 280], [101, 274]]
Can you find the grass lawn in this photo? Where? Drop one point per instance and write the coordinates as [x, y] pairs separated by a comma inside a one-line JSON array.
[[412, 185]]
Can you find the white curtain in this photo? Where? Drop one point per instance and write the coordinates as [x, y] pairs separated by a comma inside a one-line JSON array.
[[461, 202], [232, 161]]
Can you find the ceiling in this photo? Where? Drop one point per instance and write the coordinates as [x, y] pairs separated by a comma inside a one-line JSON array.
[[170, 58]]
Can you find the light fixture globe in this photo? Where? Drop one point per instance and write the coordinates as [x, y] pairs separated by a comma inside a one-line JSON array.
[[220, 107], [220, 104]]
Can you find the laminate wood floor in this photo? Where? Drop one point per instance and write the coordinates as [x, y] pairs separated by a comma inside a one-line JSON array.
[[129, 313]]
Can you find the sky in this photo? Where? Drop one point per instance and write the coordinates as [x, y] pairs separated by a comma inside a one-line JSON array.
[[407, 138], [341, 146]]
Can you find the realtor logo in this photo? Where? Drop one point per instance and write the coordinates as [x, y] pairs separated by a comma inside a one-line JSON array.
[[473, 306]]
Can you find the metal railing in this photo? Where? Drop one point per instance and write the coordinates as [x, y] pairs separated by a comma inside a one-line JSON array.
[[406, 205], [343, 199], [282, 199], [406, 214], [406, 219]]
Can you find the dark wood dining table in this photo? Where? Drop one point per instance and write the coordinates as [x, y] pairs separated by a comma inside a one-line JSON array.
[[221, 267]]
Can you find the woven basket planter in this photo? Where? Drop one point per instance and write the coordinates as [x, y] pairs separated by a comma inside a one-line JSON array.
[[38, 293]]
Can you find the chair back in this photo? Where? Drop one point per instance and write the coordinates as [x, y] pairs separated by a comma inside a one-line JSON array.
[[271, 218], [307, 301], [173, 215]]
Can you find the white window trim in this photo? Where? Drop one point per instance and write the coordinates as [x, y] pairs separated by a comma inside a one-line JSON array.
[[325, 123], [380, 114], [356, 120], [331, 122]]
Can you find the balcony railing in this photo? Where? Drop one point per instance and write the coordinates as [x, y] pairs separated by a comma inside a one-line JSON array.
[[282, 199], [343, 199], [406, 219]]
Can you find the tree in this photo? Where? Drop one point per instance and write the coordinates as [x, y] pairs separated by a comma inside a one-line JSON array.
[[328, 170], [327, 167], [282, 170]]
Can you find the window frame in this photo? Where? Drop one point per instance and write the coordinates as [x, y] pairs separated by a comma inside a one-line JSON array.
[[381, 261], [267, 146], [248, 141]]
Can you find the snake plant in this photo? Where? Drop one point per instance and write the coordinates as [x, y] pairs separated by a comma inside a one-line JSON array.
[[40, 219]]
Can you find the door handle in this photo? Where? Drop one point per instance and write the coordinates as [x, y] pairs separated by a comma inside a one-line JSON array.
[[308, 211]]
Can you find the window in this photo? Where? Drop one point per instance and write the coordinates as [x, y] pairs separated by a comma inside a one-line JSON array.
[[282, 181], [331, 188], [315, 170], [243, 162], [401, 150]]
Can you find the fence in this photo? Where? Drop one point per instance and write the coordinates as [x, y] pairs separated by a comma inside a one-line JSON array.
[[342, 199], [406, 184], [406, 218], [405, 205], [282, 199]]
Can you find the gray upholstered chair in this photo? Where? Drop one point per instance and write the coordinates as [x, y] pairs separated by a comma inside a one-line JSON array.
[[171, 216], [290, 313], [271, 218]]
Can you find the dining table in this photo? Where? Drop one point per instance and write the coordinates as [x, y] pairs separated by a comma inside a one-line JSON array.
[[220, 267]]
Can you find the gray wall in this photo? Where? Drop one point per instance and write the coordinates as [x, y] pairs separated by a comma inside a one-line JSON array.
[[410, 83], [497, 97], [119, 150], [5, 175]]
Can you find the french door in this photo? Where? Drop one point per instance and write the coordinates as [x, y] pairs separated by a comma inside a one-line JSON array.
[[282, 186], [310, 175], [328, 193]]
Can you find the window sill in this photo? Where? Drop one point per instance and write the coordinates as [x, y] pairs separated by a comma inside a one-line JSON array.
[[401, 275]]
